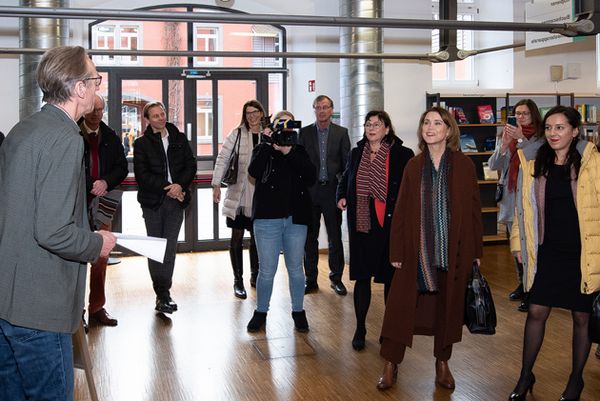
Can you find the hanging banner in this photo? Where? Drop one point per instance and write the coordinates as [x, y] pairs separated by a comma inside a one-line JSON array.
[[548, 12]]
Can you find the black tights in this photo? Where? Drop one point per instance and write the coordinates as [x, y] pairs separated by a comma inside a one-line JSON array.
[[535, 327], [362, 300]]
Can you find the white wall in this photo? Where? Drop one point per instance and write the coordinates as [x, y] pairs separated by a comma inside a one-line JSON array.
[[9, 70]]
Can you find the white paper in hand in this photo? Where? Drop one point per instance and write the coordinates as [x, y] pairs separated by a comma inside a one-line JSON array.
[[150, 247]]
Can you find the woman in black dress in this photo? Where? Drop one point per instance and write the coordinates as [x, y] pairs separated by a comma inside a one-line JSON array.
[[558, 191], [368, 189]]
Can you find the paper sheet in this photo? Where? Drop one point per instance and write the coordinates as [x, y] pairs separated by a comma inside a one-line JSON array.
[[150, 247]]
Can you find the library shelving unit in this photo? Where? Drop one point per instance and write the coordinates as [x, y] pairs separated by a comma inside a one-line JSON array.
[[483, 134]]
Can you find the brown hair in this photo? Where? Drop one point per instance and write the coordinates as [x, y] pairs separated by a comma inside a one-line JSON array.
[[536, 117], [322, 97], [251, 103], [148, 106], [453, 139], [59, 70]]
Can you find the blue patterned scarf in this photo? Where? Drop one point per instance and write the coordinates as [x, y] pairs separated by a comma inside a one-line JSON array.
[[435, 221]]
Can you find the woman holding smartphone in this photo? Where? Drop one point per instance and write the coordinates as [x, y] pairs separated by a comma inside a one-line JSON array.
[[523, 130]]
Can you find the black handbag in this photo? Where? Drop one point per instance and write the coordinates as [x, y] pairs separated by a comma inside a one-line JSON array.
[[499, 192], [594, 324], [230, 176], [480, 313]]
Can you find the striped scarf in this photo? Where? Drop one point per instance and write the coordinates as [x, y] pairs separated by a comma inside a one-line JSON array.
[[435, 219], [370, 182]]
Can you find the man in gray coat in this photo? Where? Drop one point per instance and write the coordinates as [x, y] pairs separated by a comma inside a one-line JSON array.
[[45, 239]]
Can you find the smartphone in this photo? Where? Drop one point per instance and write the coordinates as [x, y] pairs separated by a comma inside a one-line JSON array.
[[512, 120]]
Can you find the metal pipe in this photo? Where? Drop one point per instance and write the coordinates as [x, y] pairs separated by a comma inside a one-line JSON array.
[[37, 32], [183, 53], [583, 27]]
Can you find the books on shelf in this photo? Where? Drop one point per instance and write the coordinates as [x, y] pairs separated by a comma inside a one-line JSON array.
[[467, 143], [543, 111], [485, 113], [489, 144], [588, 112], [459, 114], [488, 173]]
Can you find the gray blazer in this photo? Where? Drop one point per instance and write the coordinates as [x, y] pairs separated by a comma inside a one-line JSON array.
[[338, 148], [45, 239]]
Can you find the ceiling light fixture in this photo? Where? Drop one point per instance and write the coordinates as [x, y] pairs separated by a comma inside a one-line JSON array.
[[225, 3]]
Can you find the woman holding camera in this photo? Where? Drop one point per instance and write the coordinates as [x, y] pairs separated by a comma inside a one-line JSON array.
[[368, 190], [526, 131], [237, 206], [281, 212]]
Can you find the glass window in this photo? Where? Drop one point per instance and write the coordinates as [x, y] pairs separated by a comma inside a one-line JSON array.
[[115, 35], [462, 71], [206, 38]]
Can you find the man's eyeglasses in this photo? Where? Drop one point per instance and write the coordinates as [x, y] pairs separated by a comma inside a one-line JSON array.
[[522, 114], [322, 108], [373, 125], [98, 80]]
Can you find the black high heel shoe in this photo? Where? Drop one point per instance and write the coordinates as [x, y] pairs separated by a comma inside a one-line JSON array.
[[562, 398], [523, 396], [358, 341]]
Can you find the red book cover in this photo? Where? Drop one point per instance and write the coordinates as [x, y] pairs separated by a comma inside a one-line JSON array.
[[486, 114]]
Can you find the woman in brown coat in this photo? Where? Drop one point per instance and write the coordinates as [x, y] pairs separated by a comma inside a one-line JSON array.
[[436, 235]]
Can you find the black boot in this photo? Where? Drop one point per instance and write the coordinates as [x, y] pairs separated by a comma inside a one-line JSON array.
[[358, 341], [524, 305], [236, 256], [257, 322], [300, 321], [253, 261], [517, 294]]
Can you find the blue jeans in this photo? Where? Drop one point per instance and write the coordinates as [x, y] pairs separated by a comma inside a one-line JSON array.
[[273, 235], [35, 365]]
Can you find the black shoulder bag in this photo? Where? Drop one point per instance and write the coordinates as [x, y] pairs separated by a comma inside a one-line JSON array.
[[230, 176], [480, 313], [594, 325]]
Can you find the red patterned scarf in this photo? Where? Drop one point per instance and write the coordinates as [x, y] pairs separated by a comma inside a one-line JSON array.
[[371, 181], [513, 167]]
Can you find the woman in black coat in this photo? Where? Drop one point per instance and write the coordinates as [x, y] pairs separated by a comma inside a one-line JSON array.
[[368, 190]]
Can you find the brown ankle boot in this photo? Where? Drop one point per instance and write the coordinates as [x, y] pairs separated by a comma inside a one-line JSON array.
[[389, 376], [443, 376]]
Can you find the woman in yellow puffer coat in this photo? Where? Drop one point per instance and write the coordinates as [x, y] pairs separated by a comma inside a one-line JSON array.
[[556, 235]]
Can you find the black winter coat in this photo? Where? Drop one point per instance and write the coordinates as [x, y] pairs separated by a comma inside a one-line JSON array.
[[398, 157], [150, 166], [282, 183]]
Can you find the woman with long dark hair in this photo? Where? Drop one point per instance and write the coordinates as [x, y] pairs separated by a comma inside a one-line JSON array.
[[237, 206], [555, 236], [527, 133], [368, 190]]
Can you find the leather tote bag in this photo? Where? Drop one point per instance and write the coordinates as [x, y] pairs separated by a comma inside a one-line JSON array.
[[594, 325], [230, 176], [480, 312]]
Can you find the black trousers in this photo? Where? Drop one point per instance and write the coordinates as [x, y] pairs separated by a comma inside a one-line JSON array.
[[324, 204], [164, 222]]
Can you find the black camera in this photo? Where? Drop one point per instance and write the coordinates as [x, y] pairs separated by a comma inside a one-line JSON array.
[[282, 131]]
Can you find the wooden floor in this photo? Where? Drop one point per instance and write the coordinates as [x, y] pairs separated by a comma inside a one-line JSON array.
[[203, 352]]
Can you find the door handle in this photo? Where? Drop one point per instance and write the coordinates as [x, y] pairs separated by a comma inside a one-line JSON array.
[[188, 129]]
